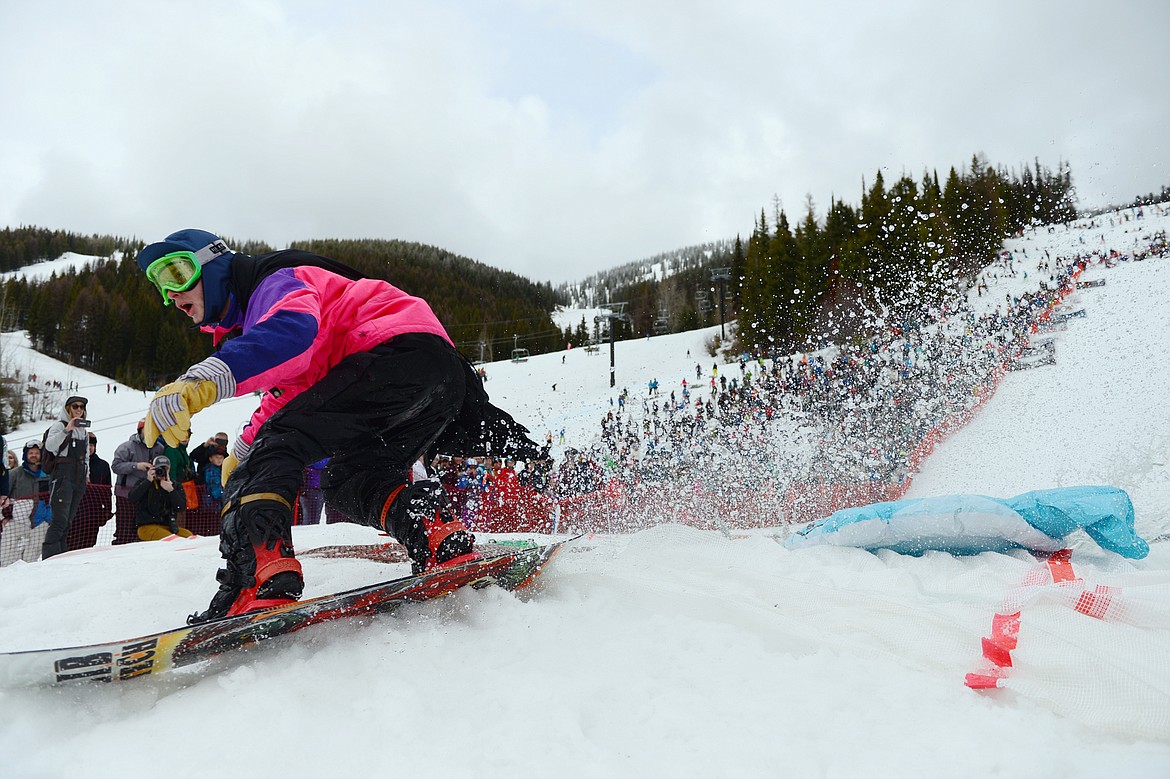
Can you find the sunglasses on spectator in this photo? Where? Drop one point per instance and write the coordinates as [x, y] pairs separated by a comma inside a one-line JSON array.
[[77, 406], [33, 445]]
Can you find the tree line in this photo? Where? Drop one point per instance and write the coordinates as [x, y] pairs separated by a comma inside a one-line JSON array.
[[792, 284], [22, 246], [799, 284]]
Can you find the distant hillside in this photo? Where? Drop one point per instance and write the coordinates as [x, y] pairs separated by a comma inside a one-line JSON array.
[[20, 246], [668, 292], [655, 268]]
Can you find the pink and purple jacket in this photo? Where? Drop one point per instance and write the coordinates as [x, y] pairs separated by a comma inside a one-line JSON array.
[[299, 322]]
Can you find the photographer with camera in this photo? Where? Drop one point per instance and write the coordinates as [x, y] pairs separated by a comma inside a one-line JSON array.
[[65, 456], [159, 502]]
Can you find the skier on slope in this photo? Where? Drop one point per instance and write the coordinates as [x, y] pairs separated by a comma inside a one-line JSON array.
[[351, 368]]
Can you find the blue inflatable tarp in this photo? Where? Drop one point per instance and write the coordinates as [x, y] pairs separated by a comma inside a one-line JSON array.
[[970, 524]]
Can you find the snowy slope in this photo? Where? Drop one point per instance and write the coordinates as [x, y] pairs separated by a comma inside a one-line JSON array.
[[1100, 416], [42, 271], [671, 652]]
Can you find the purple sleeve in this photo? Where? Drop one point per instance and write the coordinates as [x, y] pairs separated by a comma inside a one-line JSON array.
[[281, 324], [281, 338]]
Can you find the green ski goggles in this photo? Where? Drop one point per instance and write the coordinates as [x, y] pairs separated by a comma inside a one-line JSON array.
[[178, 271], [174, 272]]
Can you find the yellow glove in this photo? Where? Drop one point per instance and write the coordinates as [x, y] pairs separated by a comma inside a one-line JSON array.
[[172, 407], [229, 464]]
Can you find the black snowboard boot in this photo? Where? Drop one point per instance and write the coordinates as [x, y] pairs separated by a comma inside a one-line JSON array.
[[420, 517]]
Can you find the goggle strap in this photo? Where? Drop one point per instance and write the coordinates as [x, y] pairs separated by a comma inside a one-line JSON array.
[[212, 250]]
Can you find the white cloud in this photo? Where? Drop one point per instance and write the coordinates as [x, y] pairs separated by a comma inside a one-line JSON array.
[[550, 138]]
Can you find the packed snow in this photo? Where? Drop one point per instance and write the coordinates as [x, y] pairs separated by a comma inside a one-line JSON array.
[[672, 651], [43, 271]]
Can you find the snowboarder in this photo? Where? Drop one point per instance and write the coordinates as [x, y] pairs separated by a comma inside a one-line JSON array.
[[351, 368]]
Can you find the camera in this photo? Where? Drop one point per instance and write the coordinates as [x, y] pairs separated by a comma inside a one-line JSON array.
[[81, 423]]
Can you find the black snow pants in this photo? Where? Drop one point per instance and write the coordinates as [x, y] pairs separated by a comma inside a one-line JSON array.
[[373, 414], [64, 498]]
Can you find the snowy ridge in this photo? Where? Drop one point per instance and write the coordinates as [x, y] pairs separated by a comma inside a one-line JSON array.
[[69, 261], [595, 289]]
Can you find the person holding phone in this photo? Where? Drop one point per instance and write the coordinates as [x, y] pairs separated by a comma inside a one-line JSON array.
[[67, 440]]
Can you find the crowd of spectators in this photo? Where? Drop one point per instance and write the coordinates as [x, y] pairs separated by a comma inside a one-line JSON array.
[[152, 491], [843, 415]]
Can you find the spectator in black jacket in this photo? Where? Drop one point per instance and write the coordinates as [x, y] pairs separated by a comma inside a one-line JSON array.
[[159, 503], [132, 460], [99, 469]]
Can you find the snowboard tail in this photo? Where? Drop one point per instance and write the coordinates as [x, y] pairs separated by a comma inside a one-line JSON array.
[[129, 659]]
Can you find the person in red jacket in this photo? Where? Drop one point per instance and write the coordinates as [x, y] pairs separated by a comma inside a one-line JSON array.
[[350, 368]]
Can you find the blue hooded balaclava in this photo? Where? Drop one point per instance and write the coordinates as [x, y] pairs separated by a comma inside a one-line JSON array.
[[216, 271]]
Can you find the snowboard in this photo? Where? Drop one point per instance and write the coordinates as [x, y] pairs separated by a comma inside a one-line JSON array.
[[394, 552], [119, 661]]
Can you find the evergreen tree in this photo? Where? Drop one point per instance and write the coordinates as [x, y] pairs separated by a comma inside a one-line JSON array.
[[903, 249]]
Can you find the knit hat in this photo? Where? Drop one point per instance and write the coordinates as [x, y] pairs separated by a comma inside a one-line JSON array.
[[76, 399], [216, 273]]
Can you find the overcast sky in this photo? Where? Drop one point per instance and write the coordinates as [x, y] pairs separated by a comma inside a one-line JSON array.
[[554, 138]]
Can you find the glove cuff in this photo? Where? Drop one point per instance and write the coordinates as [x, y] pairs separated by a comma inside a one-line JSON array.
[[217, 372], [240, 449]]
